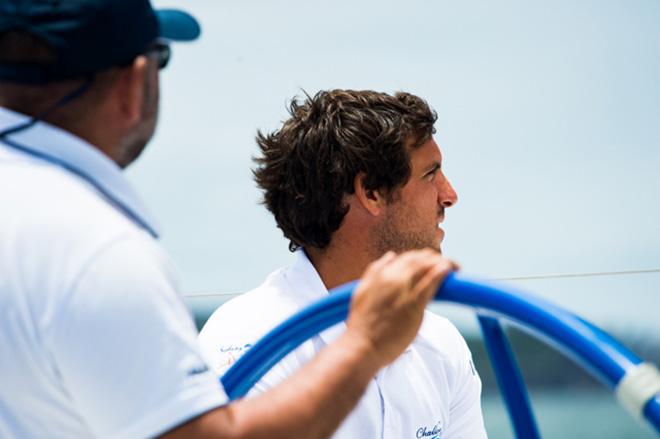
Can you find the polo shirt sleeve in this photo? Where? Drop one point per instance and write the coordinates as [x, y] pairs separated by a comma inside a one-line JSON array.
[[125, 345], [234, 328], [465, 407]]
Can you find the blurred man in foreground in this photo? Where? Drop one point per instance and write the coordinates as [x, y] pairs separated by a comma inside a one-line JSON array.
[[350, 176], [95, 340]]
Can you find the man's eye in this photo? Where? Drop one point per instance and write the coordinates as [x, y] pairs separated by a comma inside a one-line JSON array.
[[432, 173]]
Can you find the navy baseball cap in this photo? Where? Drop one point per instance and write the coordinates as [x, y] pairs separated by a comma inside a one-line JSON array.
[[87, 36]]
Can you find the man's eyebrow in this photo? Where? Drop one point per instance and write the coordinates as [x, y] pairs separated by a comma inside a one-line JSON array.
[[433, 167]]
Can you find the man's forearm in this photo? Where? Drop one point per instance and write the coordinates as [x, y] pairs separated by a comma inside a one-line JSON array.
[[314, 401], [310, 404]]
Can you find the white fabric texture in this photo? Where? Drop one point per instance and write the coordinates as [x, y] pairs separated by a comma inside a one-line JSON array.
[[431, 391], [95, 340]]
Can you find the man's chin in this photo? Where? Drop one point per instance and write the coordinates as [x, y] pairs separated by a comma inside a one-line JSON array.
[[433, 244]]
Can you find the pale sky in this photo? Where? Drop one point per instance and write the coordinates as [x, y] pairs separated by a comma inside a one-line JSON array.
[[549, 122]]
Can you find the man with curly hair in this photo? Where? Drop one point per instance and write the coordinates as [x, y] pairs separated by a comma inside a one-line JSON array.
[[95, 338], [350, 176]]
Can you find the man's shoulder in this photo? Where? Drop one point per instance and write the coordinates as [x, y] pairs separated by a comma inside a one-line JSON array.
[[64, 225], [48, 203], [240, 322], [250, 315], [441, 337]]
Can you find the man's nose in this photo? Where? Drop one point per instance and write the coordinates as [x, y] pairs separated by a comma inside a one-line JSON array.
[[447, 196]]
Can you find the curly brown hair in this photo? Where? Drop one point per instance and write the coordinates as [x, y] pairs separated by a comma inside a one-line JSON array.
[[307, 167]]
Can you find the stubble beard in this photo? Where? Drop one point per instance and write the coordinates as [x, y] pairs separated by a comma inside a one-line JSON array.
[[393, 235]]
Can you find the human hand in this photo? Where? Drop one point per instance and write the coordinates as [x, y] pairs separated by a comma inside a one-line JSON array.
[[388, 305]]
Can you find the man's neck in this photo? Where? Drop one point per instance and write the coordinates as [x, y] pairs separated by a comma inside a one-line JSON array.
[[339, 263], [86, 125]]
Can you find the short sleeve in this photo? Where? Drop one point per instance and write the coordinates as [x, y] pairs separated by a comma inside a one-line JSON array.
[[226, 337], [125, 345], [465, 408]]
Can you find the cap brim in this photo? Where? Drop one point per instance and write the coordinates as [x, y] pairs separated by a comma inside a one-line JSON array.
[[177, 25]]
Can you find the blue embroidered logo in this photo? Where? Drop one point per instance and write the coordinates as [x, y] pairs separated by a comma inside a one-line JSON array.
[[231, 353], [429, 433], [232, 348]]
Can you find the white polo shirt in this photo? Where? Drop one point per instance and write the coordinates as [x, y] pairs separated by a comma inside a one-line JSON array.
[[431, 391], [95, 340]]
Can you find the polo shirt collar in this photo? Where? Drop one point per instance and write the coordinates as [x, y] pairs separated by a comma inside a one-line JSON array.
[[306, 282], [61, 148]]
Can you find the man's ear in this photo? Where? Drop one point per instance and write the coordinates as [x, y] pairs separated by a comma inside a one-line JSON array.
[[129, 91], [372, 200]]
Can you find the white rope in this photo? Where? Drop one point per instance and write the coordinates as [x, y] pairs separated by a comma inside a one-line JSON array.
[[574, 275], [509, 278]]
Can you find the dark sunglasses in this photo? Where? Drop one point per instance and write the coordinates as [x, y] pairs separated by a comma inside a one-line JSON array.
[[162, 51]]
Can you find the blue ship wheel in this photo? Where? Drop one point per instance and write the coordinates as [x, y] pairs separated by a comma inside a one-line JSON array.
[[635, 382]]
